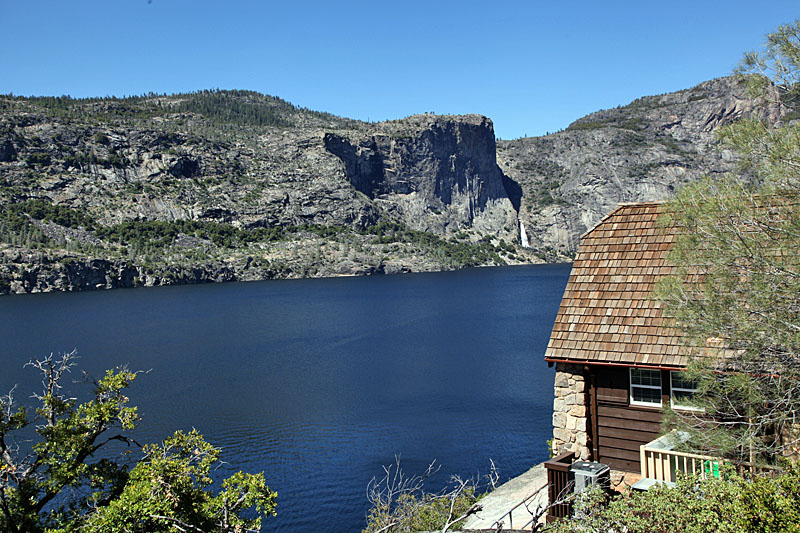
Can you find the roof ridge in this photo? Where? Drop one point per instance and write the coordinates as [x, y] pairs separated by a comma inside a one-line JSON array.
[[621, 205], [649, 202]]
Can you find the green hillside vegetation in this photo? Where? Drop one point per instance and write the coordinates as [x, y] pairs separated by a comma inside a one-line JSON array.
[[731, 504], [217, 107], [144, 241]]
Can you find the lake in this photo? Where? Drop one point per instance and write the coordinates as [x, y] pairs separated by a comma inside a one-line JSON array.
[[321, 382]]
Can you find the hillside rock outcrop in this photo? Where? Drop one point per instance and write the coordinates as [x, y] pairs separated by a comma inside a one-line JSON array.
[[434, 173], [643, 151]]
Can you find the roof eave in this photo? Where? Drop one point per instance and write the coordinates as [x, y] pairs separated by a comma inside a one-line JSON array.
[[609, 363]]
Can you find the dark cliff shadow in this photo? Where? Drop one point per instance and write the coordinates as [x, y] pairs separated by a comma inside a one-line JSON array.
[[363, 163], [513, 191]]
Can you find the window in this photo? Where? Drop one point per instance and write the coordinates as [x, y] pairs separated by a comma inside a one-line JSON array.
[[682, 391], [645, 387]]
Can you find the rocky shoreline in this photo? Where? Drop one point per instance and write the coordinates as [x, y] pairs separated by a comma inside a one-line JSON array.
[[25, 272]]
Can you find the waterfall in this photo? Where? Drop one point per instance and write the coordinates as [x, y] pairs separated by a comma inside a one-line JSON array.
[[523, 237]]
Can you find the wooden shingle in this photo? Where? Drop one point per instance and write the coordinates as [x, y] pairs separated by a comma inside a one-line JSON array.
[[608, 314]]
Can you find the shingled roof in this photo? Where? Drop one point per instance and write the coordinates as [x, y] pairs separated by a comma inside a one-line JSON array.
[[608, 314]]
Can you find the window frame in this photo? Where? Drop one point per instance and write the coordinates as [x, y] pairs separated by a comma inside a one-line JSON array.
[[672, 400], [659, 388]]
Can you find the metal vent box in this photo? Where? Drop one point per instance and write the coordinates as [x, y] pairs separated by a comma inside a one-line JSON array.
[[587, 475]]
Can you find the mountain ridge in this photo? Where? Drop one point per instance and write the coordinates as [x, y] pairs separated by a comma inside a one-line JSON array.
[[643, 151], [264, 195], [236, 185]]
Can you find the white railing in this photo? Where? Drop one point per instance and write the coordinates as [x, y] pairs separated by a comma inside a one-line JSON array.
[[664, 465], [661, 463]]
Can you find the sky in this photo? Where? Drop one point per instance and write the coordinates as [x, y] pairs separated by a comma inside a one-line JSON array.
[[532, 67]]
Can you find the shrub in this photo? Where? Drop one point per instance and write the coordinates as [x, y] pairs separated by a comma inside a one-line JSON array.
[[729, 504]]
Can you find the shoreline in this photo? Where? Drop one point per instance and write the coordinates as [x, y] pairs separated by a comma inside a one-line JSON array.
[[89, 274]]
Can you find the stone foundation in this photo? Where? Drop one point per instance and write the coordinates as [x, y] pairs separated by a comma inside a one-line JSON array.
[[570, 411]]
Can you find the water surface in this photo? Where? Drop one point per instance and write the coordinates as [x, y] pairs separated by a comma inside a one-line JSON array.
[[320, 382]]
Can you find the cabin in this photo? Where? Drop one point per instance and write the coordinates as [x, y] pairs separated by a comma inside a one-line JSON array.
[[618, 362]]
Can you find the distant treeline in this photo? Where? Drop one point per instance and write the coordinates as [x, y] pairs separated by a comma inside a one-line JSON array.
[[238, 107]]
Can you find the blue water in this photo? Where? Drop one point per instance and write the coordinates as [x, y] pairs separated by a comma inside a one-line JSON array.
[[320, 382]]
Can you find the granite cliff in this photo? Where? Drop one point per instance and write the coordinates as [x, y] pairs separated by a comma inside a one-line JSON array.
[[643, 151], [236, 185], [433, 173], [233, 185]]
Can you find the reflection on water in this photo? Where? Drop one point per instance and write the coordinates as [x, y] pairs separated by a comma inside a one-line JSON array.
[[320, 382]]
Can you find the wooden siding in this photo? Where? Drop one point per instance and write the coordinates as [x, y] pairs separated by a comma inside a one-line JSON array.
[[621, 428]]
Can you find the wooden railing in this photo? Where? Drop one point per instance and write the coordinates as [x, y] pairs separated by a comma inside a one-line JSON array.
[[558, 485], [663, 464]]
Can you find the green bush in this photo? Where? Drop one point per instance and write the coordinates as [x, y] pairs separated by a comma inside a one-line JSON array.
[[460, 254], [38, 159], [729, 504], [401, 504], [70, 217], [420, 512]]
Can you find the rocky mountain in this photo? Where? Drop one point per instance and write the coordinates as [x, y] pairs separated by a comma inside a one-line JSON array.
[[643, 151], [234, 185], [436, 174]]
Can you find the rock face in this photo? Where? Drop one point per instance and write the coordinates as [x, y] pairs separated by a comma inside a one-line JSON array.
[[434, 173], [187, 188], [31, 272], [224, 185], [640, 152], [7, 150]]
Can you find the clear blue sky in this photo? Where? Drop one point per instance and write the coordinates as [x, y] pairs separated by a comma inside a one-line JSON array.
[[531, 66]]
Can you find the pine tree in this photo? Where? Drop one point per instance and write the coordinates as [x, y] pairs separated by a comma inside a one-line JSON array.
[[736, 289]]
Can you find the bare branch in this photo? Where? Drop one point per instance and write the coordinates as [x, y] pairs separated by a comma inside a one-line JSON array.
[[180, 525]]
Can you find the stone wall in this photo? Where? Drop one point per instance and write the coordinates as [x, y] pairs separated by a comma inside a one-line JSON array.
[[570, 411]]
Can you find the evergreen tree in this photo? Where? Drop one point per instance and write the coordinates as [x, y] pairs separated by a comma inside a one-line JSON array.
[[736, 288]]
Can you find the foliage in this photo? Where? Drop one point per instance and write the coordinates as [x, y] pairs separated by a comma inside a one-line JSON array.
[[586, 125], [425, 512], [157, 234], [38, 159], [747, 300], [17, 226], [70, 480], [167, 490], [14, 214], [220, 107], [737, 285], [633, 124], [731, 504], [460, 253], [401, 504], [145, 240], [237, 107]]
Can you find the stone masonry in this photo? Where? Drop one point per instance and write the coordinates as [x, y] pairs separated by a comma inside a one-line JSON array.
[[570, 411]]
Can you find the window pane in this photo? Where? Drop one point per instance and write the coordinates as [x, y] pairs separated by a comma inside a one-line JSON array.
[[682, 398], [640, 376], [641, 394], [679, 381]]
